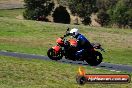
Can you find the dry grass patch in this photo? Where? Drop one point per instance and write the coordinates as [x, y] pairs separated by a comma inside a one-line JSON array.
[[11, 1], [111, 40]]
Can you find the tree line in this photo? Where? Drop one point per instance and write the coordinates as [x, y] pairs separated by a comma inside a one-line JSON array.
[[109, 12]]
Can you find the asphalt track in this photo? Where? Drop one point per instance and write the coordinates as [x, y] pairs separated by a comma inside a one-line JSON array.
[[103, 65]]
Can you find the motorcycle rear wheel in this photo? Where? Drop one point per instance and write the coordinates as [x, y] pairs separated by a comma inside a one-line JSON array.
[[95, 60], [53, 56]]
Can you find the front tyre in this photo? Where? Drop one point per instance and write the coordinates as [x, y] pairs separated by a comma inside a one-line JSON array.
[[54, 55]]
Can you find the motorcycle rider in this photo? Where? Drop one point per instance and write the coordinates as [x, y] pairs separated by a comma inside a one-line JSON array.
[[83, 43]]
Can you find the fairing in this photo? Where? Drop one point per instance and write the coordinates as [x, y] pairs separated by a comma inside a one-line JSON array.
[[73, 42], [59, 41]]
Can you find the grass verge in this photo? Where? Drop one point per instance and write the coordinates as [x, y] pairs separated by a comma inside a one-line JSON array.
[[12, 13], [23, 73]]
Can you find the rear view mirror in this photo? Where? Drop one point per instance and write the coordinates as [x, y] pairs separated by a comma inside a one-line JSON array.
[[68, 29]]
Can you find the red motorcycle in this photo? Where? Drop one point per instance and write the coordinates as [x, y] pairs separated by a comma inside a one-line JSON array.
[[68, 48]]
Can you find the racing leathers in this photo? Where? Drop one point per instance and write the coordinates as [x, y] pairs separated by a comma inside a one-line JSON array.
[[83, 44]]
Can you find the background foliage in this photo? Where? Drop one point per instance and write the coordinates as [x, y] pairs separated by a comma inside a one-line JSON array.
[[109, 12], [38, 9]]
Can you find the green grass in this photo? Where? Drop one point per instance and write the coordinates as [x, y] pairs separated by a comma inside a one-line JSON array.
[[36, 37], [11, 13], [23, 73]]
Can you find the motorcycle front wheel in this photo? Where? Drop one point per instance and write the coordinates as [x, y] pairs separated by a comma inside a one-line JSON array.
[[53, 55]]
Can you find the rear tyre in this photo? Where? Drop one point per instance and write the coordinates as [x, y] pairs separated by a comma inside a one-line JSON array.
[[96, 59], [54, 56]]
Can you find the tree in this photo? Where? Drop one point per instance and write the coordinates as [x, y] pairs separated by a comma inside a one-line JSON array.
[[64, 3], [37, 9], [129, 13], [83, 8], [122, 14], [103, 18], [105, 9], [61, 15], [105, 4]]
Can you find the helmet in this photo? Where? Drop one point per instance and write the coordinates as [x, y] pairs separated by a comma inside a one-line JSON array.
[[74, 32]]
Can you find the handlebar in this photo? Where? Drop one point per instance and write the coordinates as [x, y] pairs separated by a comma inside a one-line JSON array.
[[102, 49]]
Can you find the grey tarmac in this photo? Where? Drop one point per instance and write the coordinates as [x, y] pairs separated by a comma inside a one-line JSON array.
[[103, 65]]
